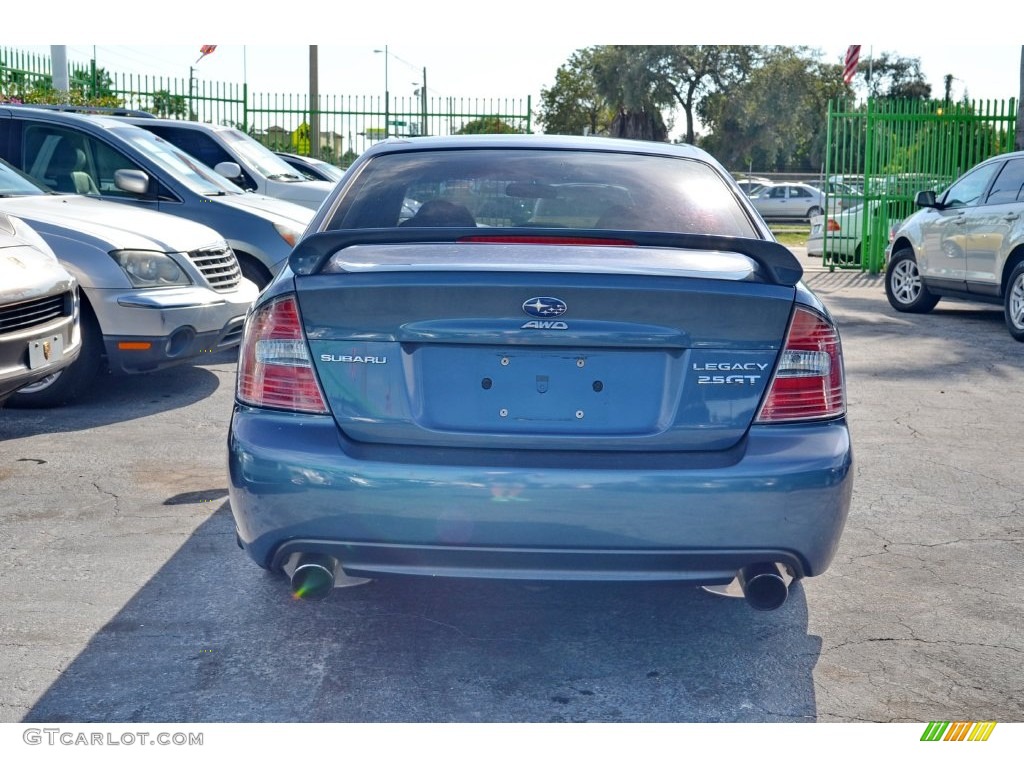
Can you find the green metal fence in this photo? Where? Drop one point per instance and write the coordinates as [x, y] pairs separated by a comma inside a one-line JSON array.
[[337, 129], [891, 149]]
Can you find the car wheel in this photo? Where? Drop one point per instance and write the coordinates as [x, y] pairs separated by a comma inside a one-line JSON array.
[[1013, 303], [904, 287], [815, 211], [253, 271], [69, 383]]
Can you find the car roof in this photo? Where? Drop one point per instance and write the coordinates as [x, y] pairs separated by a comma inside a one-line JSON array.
[[537, 141]]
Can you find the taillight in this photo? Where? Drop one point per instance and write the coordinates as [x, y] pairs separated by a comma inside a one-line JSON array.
[[808, 382], [833, 226], [274, 367]]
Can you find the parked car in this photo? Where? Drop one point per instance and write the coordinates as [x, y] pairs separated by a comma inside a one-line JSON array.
[[840, 235], [643, 392], [312, 168], [131, 166], [155, 290], [752, 184], [800, 202], [967, 243], [238, 157], [840, 195], [39, 331]]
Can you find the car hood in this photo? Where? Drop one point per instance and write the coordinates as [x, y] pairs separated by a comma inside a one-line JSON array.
[[121, 226], [308, 192], [26, 273], [270, 208]]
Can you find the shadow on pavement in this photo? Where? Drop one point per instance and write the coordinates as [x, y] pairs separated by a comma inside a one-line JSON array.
[[116, 399], [212, 638]]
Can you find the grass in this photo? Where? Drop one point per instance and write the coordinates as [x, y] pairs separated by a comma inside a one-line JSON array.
[[791, 234]]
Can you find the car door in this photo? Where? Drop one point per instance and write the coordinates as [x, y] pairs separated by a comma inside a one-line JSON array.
[[41, 147], [991, 228], [948, 235], [773, 203]]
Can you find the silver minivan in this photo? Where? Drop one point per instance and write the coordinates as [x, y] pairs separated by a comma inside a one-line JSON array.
[[155, 290]]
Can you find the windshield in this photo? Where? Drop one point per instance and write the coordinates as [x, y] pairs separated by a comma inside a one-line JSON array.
[[14, 183], [262, 160], [542, 188], [182, 166]]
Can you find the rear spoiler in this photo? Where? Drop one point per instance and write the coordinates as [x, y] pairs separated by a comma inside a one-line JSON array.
[[776, 263]]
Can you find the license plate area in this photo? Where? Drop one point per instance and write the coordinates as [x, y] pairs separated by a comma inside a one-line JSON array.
[[45, 351], [553, 391]]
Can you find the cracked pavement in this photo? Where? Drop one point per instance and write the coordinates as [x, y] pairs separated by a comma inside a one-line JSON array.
[[126, 600]]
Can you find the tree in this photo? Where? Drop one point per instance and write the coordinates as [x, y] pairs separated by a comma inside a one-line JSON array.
[[650, 78], [166, 104], [776, 119], [487, 125], [573, 105], [95, 82], [892, 76]]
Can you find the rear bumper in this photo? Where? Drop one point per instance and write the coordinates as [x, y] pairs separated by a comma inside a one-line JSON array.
[[296, 485]]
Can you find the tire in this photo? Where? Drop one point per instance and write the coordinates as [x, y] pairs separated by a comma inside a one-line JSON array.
[[1013, 303], [254, 271], [69, 383], [815, 211], [904, 287]]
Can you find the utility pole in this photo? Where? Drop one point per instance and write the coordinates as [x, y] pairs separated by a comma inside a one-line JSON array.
[[314, 104], [1019, 143], [59, 61], [424, 131]]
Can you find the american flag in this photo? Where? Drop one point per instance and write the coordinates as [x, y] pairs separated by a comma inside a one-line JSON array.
[[205, 50], [850, 69]]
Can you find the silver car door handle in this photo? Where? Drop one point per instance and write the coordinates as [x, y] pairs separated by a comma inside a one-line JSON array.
[[1011, 216]]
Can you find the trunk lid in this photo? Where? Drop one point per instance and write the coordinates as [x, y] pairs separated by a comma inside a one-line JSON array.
[[543, 346]]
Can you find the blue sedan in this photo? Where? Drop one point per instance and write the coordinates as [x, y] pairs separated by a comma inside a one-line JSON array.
[[545, 358]]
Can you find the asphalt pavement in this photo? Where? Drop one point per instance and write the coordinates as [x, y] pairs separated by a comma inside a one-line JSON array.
[[125, 598]]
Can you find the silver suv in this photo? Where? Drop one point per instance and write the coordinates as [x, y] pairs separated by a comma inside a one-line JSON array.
[[156, 290], [967, 243], [239, 157]]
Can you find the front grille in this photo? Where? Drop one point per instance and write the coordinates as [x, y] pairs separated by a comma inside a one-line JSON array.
[[29, 314], [218, 265]]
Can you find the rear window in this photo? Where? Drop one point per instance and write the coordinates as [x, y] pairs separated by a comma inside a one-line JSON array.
[[541, 188]]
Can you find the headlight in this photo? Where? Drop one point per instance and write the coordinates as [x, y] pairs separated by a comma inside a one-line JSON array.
[[290, 234], [150, 269]]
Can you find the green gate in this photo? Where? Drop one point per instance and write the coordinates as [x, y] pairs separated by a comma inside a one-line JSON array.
[[890, 149]]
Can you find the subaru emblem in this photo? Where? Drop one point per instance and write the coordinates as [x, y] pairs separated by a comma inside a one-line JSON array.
[[544, 306]]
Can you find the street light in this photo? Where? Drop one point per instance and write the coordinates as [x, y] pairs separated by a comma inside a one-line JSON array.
[[387, 100], [387, 105]]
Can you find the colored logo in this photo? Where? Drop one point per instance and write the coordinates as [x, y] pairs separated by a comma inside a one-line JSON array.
[[544, 306], [950, 731]]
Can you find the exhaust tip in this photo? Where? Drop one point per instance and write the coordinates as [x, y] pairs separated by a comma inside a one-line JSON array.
[[313, 577], [763, 585]]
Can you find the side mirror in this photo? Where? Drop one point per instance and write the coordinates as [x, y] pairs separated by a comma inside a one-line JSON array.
[[228, 170], [925, 199], [135, 182]]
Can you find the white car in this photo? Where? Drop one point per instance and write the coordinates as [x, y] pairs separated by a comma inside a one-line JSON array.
[[799, 202], [840, 235], [239, 157], [39, 331]]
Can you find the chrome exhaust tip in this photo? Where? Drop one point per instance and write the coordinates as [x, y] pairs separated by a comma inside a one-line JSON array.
[[763, 585], [313, 577]]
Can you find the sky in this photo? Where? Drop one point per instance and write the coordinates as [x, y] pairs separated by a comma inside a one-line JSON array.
[[476, 50]]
